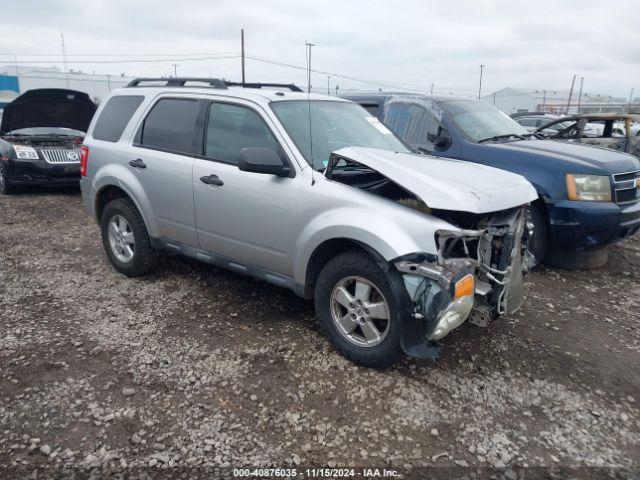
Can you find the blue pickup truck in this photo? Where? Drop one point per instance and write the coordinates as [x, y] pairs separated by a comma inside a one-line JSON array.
[[588, 196]]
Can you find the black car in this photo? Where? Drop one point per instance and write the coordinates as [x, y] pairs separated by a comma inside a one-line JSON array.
[[40, 137]]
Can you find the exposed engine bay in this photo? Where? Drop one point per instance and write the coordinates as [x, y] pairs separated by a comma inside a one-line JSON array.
[[477, 273]]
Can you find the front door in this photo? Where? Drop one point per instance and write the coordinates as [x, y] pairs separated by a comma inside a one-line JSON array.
[[247, 217]]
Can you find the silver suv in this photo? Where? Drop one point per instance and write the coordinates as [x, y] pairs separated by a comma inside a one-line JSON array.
[[311, 193]]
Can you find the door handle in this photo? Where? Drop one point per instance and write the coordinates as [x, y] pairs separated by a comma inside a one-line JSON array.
[[212, 180], [138, 163]]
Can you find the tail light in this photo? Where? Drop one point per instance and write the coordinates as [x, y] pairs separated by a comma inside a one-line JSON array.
[[84, 160]]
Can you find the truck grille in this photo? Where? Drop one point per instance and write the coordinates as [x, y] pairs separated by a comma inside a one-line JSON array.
[[61, 155], [625, 186]]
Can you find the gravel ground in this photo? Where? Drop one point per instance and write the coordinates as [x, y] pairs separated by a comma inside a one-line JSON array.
[[194, 367]]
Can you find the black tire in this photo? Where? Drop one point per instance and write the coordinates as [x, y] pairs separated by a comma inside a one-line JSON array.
[[539, 241], [144, 255], [5, 186], [358, 264]]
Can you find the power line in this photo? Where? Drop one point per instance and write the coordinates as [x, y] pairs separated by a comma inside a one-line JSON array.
[[137, 60]]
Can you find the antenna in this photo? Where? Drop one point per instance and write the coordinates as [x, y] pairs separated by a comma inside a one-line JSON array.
[[308, 57]]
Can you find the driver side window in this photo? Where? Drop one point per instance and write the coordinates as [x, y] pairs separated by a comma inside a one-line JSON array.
[[417, 125]]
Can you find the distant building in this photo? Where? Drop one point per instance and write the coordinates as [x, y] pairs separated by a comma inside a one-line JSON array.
[[510, 100], [23, 78]]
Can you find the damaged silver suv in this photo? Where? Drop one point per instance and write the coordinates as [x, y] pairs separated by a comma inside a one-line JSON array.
[[310, 193]]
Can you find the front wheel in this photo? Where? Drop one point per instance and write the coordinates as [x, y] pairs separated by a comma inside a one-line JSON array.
[[5, 186], [356, 306], [539, 241], [125, 238]]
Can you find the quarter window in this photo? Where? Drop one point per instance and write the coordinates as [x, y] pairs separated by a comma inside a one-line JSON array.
[[114, 117], [170, 126], [233, 127]]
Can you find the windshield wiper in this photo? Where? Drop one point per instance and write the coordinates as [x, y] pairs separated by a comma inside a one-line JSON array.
[[500, 137]]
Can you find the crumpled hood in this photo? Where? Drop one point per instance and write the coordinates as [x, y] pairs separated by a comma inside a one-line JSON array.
[[588, 156], [447, 184], [48, 107]]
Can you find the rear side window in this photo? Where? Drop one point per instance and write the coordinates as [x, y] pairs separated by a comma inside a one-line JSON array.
[[115, 116], [170, 126]]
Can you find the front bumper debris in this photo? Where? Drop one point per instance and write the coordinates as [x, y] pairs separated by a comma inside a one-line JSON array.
[[494, 255]]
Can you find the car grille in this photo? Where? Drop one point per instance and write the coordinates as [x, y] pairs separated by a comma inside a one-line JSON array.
[[625, 186], [61, 155]]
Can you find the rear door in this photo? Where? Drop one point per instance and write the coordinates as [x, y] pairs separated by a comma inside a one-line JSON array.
[[162, 159], [247, 217]]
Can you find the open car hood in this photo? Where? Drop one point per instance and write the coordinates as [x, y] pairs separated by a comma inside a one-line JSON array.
[[48, 107], [447, 184]]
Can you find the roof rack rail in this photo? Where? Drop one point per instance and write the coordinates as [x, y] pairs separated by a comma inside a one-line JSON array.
[[213, 82], [178, 82], [290, 86]]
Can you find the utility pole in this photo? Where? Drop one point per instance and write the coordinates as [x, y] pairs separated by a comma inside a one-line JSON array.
[[328, 91], [175, 70], [431, 88], [309, 45], [630, 98], [337, 88], [242, 52], [480, 86], [544, 100], [570, 94], [580, 94], [64, 60]]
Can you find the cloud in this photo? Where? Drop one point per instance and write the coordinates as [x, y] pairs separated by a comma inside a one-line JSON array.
[[410, 42]]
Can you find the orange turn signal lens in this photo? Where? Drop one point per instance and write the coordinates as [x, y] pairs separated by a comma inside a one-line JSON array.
[[465, 287], [572, 191]]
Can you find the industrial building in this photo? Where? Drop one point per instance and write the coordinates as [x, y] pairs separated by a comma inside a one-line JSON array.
[[511, 100], [18, 79]]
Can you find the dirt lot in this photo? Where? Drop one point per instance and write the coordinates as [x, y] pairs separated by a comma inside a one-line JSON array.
[[195, 367]]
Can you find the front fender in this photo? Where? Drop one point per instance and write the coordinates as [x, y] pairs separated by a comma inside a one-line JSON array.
[[391, 236], [116, 175]]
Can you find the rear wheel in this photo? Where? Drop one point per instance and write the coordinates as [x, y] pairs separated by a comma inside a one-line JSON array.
[[125, 238], [5, 186], [355, 305]]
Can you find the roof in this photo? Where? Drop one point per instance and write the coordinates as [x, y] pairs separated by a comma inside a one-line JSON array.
[[370, 97], [256, 92], [602, 116]]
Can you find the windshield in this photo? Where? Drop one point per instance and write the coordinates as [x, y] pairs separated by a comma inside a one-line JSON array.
[[334, 125], [481, 121], [47, 131]]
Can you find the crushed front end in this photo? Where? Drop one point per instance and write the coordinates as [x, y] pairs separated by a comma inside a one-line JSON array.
[[477, 274]]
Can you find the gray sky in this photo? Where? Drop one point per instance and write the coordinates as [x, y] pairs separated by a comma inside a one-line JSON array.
[[410, 44]]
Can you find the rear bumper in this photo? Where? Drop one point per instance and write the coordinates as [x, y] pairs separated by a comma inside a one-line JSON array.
[[576, 226], [88, 194], [42, 173]]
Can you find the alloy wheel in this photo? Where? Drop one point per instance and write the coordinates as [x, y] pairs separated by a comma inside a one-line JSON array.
[[121, 239], [360, 312]]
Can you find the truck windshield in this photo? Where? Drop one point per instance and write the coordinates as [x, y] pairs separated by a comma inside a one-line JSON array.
[[481, 121], [334, 125]]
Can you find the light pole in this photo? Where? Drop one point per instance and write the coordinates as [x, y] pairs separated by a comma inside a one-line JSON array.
[[480, 86], [175, 70]]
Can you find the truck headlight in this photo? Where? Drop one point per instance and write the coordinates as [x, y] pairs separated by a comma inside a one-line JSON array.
[[595, 188], [26, 153]]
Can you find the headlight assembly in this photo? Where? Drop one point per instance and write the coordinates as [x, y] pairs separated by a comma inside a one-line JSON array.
[[595, 188], [25, 153]]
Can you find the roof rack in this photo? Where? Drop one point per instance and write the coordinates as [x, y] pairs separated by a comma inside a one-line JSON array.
[[213, 82], [290, 86], [177, 82]]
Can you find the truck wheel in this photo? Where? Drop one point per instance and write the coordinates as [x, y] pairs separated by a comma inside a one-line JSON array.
[[539, 241], [125, 238], [355, 305], [5, 187]]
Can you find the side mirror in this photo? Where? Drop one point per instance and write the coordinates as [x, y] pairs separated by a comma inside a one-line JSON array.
[[440, 142], [263, 160]]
